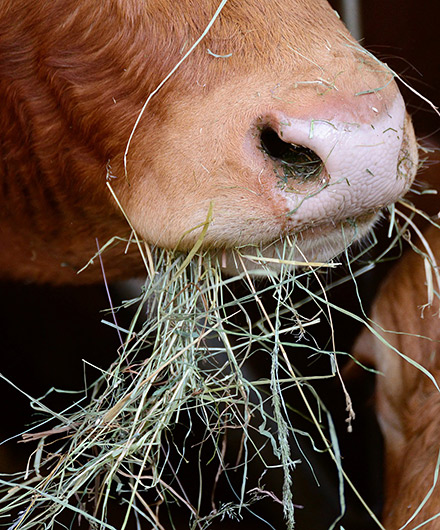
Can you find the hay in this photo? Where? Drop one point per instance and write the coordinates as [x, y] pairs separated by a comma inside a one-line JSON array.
[[186, 357]]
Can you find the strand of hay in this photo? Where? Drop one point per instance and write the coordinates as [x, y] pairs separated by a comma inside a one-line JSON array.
[[185, 357]]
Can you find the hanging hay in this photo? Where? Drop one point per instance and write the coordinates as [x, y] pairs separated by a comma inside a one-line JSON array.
[[187, 357]]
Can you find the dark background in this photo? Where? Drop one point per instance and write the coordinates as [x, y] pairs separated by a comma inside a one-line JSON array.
[[403, 34]]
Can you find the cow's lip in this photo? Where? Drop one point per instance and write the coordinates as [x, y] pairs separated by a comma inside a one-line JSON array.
[[324, 228], [310, 240], [340, 234]]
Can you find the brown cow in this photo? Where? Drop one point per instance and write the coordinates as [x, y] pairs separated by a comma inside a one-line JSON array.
[[407, 399], [276, 120]]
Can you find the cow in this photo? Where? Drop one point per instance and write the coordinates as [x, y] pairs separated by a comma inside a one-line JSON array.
[[256, 120], [243, 122], [405, 351]]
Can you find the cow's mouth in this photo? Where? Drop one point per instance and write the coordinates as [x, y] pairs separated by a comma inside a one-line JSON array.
[[292, 161], [314, 244]]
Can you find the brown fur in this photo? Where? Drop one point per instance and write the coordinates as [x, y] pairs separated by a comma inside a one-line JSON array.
[[407, 402], [73, 79]]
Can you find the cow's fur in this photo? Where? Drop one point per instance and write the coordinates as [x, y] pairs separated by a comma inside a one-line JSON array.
[[407, 401], [73, 79]]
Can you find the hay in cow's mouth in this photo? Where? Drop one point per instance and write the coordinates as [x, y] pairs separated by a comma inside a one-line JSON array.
[[187, 358]]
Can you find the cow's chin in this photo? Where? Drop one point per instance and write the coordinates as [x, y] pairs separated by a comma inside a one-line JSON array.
[[312, 247]]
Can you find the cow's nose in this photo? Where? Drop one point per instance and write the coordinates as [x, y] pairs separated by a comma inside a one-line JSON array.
[[337, 164]]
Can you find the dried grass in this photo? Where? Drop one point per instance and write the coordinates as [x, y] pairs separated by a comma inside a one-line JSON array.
[[186, 357]]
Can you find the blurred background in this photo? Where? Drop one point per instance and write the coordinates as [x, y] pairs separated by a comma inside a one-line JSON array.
[[401, 33]]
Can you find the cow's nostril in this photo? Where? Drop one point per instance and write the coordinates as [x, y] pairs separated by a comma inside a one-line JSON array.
[[296, 161]]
